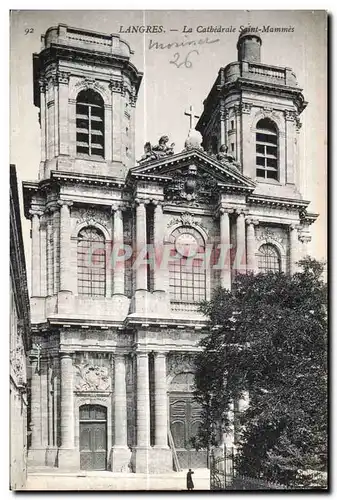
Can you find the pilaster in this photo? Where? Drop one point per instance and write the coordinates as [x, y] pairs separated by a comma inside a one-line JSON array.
[[225, 246], [251, 245], [142, 451], [36, 256], [293, 248], [63, 94], [240, 264], [118, 249], [68, 456], [120, 452], [66, 292]]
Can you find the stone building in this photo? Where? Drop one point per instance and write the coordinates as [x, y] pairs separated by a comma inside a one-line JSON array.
[[19, 341], [123, 252]]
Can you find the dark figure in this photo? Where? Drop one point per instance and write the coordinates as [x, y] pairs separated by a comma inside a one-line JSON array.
[[190, 484]]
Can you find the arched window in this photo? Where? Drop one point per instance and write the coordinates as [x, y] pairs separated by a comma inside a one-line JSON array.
[[89, 124], [269, 259], [187, 270], [266, 150], [91, 262]]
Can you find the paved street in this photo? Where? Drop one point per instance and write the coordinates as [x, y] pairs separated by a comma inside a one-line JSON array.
[[49, 479]]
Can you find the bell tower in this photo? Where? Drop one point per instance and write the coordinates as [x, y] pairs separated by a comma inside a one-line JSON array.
[[86, 90], [253, 111]]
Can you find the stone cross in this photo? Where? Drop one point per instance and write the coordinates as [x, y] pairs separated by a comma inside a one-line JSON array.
[[191, 115]]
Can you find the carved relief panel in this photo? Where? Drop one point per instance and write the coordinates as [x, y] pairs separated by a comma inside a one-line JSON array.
[[93, 372]]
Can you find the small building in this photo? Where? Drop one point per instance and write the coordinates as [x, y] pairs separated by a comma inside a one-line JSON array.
[[123, 252], [19, 332]]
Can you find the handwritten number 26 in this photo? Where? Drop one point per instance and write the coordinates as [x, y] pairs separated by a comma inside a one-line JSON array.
[[186, 62]]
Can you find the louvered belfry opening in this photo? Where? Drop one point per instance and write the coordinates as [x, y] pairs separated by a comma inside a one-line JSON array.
[[90, 124], [266, 150]]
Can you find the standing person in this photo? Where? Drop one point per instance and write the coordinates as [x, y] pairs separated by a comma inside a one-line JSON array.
[[189, 481]]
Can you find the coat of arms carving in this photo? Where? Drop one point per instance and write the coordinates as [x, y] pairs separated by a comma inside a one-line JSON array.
[[192, 187]]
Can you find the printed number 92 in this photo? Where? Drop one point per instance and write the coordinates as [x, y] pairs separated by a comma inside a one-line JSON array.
[[29, 30], [186, 62]]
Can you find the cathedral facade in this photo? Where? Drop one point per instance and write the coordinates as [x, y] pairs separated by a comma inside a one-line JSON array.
[[123, 251]]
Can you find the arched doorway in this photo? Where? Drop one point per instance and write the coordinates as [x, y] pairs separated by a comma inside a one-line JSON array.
[[185, 419], [93, 437]]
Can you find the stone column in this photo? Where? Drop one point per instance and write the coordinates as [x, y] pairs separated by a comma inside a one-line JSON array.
[[158, 247], [118, 240], [56, 120], [42, 84], [225, 271], [223, 139], [238, 133], [240, 257], [56, 250], [117, 114], [36, 258], [43, 253], [251, 245], [63, 95], [143, 400], [35, 404], [160, 403], [120, 451], [65, 246], [142, 452], [293, 248], [120, 402], [141, 271], [67, 401], [305, 240]]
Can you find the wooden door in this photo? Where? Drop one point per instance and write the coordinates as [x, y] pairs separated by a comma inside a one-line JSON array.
[[185, 418], [93, 437]]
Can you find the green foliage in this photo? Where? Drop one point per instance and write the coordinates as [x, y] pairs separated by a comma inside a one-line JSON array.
[[269, 337]]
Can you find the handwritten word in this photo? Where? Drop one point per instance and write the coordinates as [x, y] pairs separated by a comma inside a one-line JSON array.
[[29, 30], [177, 45], [186, 62]]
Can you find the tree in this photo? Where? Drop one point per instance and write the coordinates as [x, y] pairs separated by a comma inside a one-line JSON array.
[[269, 337]]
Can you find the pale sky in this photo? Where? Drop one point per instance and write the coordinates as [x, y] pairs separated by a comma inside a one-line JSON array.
[[167, 91]]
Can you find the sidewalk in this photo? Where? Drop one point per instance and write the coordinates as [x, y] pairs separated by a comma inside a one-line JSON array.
[[53, 480]]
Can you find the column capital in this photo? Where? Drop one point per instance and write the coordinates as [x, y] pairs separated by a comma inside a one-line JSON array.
[[116, 85], [160, 354], [225, 210], [63, 203], [293, 226], [142, 354], [50, 209], [33, 212], [305, 238], [64, 354], [157, 203], [141, 201], [241, 210], [252, 220], [117, 207], [62, 77], [120, 354]]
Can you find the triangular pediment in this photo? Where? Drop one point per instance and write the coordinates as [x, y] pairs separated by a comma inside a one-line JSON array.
[[223, 174]]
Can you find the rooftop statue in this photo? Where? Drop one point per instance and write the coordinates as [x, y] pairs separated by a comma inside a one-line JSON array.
[[158, 151], [224, 157]]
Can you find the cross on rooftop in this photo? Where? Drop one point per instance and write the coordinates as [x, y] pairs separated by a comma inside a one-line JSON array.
[[191, 115]]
